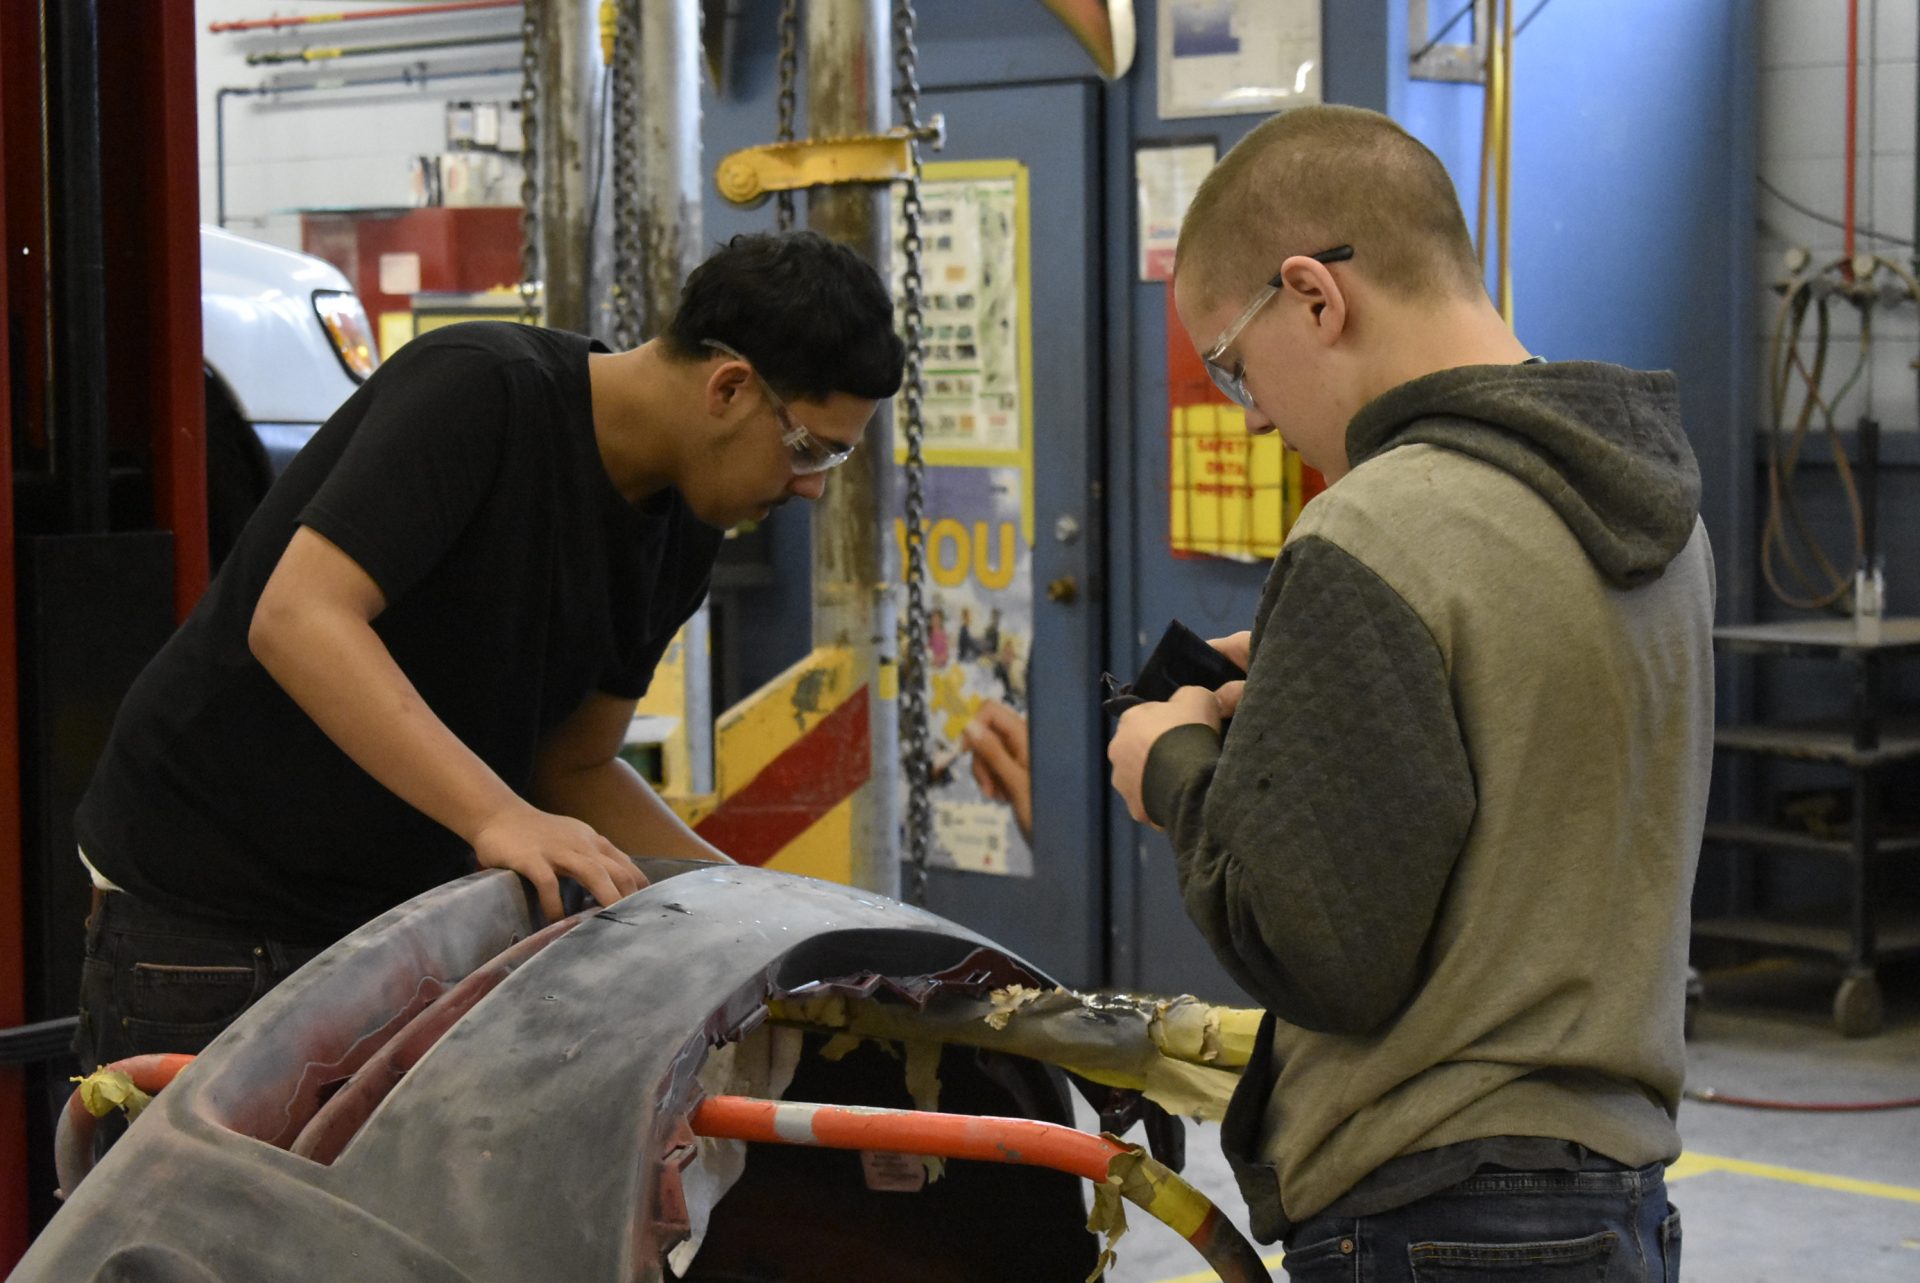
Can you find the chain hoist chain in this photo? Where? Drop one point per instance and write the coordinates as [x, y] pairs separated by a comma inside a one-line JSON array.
[[529, 161], [789, 96], [918, 755], [627, 272]]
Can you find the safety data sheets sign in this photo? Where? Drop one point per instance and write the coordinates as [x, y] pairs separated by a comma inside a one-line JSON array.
[[1229, 494]]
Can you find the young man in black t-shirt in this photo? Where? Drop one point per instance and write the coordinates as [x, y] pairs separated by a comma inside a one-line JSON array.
[[424, 650]]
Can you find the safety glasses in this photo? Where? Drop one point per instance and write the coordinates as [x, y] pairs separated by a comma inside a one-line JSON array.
[[807, 454], [1233, 382]]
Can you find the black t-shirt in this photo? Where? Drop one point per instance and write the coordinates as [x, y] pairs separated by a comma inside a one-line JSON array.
[[465, 479]]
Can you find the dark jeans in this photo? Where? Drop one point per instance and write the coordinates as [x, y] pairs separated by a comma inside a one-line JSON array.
[[156, 981], [1596, 1226]]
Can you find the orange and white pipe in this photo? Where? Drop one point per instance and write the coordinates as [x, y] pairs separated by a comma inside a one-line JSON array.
[[1103, 1160]]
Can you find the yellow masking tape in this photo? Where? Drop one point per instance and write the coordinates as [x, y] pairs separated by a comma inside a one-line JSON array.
[[1158, 1189], [105, 1090]]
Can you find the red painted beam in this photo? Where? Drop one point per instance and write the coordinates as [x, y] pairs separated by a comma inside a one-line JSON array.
[[13, 1002], [816, 773], [173, 212], [152, 184]]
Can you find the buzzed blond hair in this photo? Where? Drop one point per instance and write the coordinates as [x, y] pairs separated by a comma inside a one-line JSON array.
[[1313, 178]]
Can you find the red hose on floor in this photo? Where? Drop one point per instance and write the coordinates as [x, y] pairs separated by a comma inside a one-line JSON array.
[[1707, 1096]]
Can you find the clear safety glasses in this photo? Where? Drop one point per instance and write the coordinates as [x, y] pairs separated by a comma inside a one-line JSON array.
[[1233, 381]]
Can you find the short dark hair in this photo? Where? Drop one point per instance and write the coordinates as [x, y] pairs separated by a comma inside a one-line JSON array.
[[812, 316], [1327, 175]]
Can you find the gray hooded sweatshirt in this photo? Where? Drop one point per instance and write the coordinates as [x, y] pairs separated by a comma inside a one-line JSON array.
[[1449, 840]]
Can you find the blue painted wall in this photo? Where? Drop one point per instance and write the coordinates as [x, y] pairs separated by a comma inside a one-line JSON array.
[[1632, 212], [1631, 241]]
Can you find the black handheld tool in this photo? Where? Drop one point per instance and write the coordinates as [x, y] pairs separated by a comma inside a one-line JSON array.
[[1183, 658]]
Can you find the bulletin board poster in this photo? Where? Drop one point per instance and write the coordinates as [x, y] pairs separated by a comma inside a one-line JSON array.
[[1230, 495], [978, 512]]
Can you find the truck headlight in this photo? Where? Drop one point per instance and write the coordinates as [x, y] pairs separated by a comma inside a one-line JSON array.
[[345, 321]]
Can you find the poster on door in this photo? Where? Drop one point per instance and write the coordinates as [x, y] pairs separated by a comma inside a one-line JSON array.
[[979, 599], [979, 510]]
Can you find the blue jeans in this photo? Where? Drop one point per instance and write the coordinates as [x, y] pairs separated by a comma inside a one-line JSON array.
[[1594, 1226], [158, 981]]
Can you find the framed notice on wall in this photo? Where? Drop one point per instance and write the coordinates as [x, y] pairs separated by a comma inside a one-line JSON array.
[[1237, 57]]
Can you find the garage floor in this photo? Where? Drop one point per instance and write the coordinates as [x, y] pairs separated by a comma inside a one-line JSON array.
[[1764, 1196]]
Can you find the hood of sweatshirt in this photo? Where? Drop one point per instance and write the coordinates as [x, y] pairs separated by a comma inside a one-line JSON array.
[[1601, 443]]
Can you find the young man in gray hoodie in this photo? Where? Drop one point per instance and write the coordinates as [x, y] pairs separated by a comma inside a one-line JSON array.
[[1449, 839]]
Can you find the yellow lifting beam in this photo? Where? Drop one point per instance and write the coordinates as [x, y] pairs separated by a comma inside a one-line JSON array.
[[752, 174]]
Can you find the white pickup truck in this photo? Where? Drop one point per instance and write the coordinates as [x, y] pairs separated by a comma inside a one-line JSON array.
[[286, 340]]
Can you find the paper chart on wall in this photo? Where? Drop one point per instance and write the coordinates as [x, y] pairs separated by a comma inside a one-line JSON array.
[[971, 313]]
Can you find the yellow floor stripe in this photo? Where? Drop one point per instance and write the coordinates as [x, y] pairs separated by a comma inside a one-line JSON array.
[[1699, 1164], [1687, 1165], [1208, 1276]]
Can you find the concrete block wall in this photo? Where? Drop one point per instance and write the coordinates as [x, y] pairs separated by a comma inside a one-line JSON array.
[[335, 147], [1801, 83], [1801, 151]]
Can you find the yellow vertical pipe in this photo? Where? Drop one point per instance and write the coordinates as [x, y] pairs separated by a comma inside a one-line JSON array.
[[1491, 92], [1506, 159]]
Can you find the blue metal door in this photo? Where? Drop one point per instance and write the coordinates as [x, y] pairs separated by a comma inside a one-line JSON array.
[[1054, 916]]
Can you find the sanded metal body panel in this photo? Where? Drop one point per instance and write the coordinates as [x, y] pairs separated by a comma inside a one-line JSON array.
[[528, 1142]]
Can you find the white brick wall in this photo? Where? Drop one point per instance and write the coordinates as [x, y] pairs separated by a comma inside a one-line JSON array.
[[333, 148], [1802, 99]]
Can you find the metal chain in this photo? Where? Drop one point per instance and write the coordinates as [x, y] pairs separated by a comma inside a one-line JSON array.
[[627, 269], [529, 162], [789, 98], [914, 730]]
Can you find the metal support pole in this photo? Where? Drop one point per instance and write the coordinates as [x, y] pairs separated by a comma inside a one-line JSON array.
[[568, 124], [220, 97], [672, 244], [849, 58], [669, 142]]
